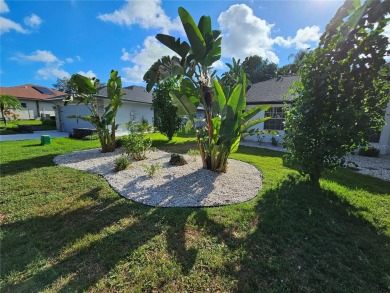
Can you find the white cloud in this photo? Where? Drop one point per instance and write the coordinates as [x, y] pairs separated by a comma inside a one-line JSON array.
[[89, 73], [143, 58], [245, 34], [147, 14], [69, 60], [52, 72], [3, 7], [219, 65], [37, 56], [125, 55], [78, 58], [6, 25], [33, 21], [303, 39]]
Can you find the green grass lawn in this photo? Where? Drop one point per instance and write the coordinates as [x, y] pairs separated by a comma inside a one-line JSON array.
[[67, 230], [11, 127]]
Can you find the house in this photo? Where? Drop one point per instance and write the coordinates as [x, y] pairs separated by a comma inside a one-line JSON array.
[[275, 92], [137, 105], [34, 100]]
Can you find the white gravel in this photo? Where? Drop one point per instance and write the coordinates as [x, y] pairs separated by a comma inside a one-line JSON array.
[[376, 167], [186, 186]]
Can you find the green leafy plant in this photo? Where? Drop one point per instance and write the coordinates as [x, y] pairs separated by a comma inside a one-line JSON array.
[[85, 92], [121, 163], [343, 89], [144, 125], [369, 151], [226, 119], [152, 170], [193, 153], [166, 114], [136, 145], [7, 103]]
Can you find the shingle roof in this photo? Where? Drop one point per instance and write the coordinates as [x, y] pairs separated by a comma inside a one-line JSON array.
[[27, 91], [271, 91], [132, 93]]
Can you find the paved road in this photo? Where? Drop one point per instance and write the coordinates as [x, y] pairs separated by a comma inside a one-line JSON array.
[[34, 135]]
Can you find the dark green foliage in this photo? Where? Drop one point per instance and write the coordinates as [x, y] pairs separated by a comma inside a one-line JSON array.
[[136, 145], [121, 163], [343, 91], [166, 116], [368, 151], [120, 141], [259, 69], [144, 125]]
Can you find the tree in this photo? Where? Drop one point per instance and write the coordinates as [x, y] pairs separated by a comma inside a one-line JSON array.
[[226, 119], [63, 85], [292, 69], [230, 78], [259, 69], [166, 115], [342, 92], [86, 90], [8, 102]]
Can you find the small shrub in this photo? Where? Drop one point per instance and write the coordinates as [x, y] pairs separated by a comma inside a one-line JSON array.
[[369, 151], [131, 126], [193, 153], [136, 146], [144, 126], [49, 122], [151, 170], [119, 142], [121, 163]]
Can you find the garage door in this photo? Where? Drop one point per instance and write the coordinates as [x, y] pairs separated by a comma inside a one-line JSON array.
[[69, 123]]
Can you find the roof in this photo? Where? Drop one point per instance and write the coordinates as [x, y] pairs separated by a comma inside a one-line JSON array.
[[132, 93], [31, 92], [271, 91]]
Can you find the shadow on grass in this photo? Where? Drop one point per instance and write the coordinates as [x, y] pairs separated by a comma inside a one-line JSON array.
[[64, 238], [19, 166], [308, 240]]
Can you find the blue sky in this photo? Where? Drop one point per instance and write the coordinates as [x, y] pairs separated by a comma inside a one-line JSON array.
[[45, 40]]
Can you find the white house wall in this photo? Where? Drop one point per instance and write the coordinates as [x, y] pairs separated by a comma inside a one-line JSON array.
[[129, 111], [31, 111]]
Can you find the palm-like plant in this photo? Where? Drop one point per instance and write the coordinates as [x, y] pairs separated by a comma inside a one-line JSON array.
[[226, 119], [86, 90], [8, 102]]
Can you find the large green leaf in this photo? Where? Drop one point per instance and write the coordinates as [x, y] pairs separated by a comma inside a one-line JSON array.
[[249, 114], [184, 104], [181, 49], [204, 25], [83, 84], [251, 123], [219, 96], [198, 45]]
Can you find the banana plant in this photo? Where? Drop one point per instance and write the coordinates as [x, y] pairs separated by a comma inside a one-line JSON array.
[[85, 92], [226, 119]]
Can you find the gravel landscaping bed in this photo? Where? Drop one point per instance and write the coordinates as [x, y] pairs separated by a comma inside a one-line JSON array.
[[376, 167], [173, 186]]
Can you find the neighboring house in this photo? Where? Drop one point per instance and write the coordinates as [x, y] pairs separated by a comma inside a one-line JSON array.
[[34, 100], [137, 105], [275, 92]]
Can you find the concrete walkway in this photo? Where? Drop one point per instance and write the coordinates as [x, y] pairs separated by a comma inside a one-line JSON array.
[[35, 135], [52, 133]]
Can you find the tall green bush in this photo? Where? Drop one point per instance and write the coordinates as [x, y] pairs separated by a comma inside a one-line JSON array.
[[166, 114], [342, 92]]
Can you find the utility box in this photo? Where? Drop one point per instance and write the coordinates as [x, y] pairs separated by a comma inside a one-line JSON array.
[[45, 139]]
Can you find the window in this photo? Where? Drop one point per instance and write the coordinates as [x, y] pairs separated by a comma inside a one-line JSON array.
[[277, 118], [23, 105]]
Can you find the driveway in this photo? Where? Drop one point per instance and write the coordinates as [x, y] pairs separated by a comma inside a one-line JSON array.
[[34, 135]]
